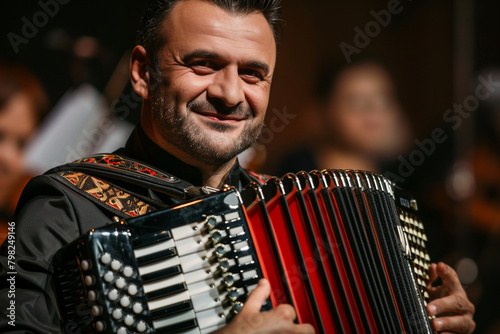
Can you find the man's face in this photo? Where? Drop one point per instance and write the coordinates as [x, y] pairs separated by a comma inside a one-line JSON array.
[[216, 71]]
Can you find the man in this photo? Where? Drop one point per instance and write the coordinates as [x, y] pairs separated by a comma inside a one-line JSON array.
[[204, 69]]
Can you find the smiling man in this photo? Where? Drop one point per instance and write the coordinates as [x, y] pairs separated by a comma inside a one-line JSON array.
[[204, 70], [212, 79]]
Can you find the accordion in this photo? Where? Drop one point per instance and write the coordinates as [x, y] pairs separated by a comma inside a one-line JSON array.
[[345, 248]]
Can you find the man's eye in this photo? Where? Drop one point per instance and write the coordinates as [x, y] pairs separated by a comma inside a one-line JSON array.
[[250, 75], [203, 67]]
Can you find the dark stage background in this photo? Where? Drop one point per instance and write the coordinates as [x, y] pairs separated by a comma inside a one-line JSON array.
[[436, 49]]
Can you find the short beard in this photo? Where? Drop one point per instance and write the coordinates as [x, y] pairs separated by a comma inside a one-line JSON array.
[[183, 133]]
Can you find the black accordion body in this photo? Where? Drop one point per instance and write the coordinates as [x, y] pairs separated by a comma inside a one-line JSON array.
[[345, 248]]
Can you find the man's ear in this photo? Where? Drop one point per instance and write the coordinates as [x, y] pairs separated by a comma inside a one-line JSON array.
[[139, 71]]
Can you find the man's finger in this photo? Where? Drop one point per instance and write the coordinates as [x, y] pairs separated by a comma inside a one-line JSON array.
[[257, 297], [433, 275], [462, 324], [455, 304], [449, 277], [437, 292]]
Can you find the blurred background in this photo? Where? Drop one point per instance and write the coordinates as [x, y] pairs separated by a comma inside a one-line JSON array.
[[408, 88]]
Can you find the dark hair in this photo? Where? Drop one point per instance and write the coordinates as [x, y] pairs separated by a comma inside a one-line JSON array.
[[149, 34]]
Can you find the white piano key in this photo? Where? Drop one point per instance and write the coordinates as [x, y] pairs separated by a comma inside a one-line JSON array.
[[195, 261], [195, 243], [210, 330], [211, 318], [243, 245], [249, 274], [252, 287], [143, 251], [192, 331], [232, 216], [187, 230], [156, 266], [245, 259], [197, 276], [206, 300], [201, 286], [169, 300], [236, 230], [188, 315], [160, 284]]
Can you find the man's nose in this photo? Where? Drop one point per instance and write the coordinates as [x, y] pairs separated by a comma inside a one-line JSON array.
[[227, 87]]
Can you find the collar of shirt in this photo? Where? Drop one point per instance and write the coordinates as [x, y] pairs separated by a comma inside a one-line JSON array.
[[140, 147]]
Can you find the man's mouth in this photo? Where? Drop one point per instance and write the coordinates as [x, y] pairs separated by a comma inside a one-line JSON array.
[[214, 116]]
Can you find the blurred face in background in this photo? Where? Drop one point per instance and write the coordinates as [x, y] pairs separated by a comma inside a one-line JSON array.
[[364, 115], [17, 124]]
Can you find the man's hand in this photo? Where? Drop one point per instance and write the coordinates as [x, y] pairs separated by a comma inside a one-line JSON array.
[[278, 320], [449, 303]]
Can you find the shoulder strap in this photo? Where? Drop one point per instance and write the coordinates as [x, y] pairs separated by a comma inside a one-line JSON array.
[[104, 194], [116, 167]]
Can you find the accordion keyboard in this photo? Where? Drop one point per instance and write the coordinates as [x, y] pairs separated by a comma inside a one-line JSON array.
[[182, 273]]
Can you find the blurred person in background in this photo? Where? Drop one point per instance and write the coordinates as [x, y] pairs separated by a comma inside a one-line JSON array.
[[22, 103], [359, 120]]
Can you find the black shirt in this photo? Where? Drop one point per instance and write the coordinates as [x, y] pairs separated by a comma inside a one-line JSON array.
[[51, 215]]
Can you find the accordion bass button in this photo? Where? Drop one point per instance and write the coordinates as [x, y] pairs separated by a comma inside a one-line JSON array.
[[125, 301], [113, 295], [132, 289], [121, 283], [129, 320], [106, 258], [117, 314], [141, 326], [137, 308], [128, 271], [116, 265], [109, 277], [122, 330]]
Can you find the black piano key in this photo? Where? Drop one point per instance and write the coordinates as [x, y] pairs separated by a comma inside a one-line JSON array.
[[173, 289], [151, 239], [178, 328], [164, 273], [171, 310], [162, 255]]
